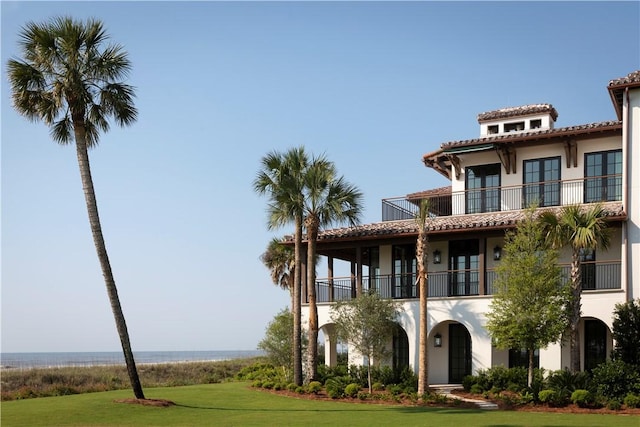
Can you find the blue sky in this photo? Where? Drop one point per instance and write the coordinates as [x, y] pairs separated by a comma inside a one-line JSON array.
[[373, 85]]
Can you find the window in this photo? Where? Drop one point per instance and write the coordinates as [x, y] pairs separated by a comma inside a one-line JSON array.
[[535, 124], [542, 182], [492, 129], [404, 271], [483, 188], [512, 127], [464, 262], [588, 268], [520, 358], [603, 176]]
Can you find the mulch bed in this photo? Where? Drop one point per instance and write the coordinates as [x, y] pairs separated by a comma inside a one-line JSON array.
[[147, 402]]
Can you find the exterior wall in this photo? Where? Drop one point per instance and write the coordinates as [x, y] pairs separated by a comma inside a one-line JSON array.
[[631, 133], [571, 195]]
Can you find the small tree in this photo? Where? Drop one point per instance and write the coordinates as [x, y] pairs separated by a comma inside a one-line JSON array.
[[528, 307], [626, 332], [278, 341], [366, 323]]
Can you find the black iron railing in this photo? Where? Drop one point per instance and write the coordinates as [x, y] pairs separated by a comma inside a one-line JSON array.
[[455, 283], [494, 199]]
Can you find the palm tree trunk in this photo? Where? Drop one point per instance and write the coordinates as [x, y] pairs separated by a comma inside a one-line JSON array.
[[576, 294], [312, 236], [297, 309], [98, 239], [423, 365]]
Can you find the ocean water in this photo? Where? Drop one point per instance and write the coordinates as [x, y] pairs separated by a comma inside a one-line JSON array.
[[61, 359]]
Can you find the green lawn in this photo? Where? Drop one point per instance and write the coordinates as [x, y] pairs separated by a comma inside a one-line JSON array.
[[235, 404]]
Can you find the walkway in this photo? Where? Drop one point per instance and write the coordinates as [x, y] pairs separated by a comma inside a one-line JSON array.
[[446, 389]]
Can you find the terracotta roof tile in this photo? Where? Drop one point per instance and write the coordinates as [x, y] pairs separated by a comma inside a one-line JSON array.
[[503, 220], [518, 111], [586, 128], [440, 191], [631, 78]]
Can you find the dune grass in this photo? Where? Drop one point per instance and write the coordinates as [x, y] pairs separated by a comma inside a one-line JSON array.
[[236, 404]]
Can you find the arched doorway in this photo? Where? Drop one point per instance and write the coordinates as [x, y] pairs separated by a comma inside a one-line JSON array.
[[595, 343], [400, 348], [459, 353]]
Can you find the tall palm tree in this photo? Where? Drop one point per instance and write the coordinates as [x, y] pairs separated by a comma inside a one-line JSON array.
[[280, 260], [422, 251], [580, 228], [72, 82], [281, 178], [328, 199]]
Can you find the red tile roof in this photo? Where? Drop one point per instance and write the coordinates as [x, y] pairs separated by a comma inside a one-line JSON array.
[[492, 220], [518, 111]]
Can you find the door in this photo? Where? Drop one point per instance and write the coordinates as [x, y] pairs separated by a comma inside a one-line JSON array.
[[459, 353], [464, 263], [595, 343]]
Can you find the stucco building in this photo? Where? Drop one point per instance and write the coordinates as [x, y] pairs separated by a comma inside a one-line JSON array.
[[520, 156]]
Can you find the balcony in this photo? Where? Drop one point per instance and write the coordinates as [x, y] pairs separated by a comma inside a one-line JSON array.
[[494, 199], [597, 276]]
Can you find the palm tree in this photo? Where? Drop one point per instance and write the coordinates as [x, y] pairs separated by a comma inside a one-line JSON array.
[[581, 229], [71, 81], [281, 178], [328, 199], [280, 260], [422, 251]]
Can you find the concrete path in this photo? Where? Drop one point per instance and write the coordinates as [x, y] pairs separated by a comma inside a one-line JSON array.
[[446, 389]]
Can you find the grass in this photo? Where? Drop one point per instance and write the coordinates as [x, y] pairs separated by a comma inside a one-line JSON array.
[[45, 382], [236, 404]]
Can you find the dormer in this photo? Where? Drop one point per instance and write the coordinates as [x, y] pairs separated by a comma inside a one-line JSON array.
[[526, 118]]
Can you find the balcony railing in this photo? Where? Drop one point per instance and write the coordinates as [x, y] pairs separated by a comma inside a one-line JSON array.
[[455, 283], [495, 199]]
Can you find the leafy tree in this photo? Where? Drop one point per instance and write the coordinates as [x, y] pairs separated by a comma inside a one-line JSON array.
[[528, 306], [366, 323], [626, 332], [70, 78], [281, 178], [422, 251], [581, 229], [278, 341], [329, 199], [280, 260]]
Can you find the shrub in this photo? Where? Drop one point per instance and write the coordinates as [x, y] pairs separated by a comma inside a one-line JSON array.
[[314, 387], [565, 381], [469, 381], [582, 398], [552, 398], [363, 395], [378, 386], [335, 387], [351, 390], [614, 405], [257, 384], [476, 389], [268, 385], [395, 389], [632, 400], [299, 389], [615, 379], [292, 387]]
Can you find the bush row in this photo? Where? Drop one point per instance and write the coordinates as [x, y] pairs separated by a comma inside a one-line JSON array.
[[610, 384]]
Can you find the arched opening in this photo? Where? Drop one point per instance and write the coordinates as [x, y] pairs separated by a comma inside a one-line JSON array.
[[459, 353], [595, 343], [400, 348]]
